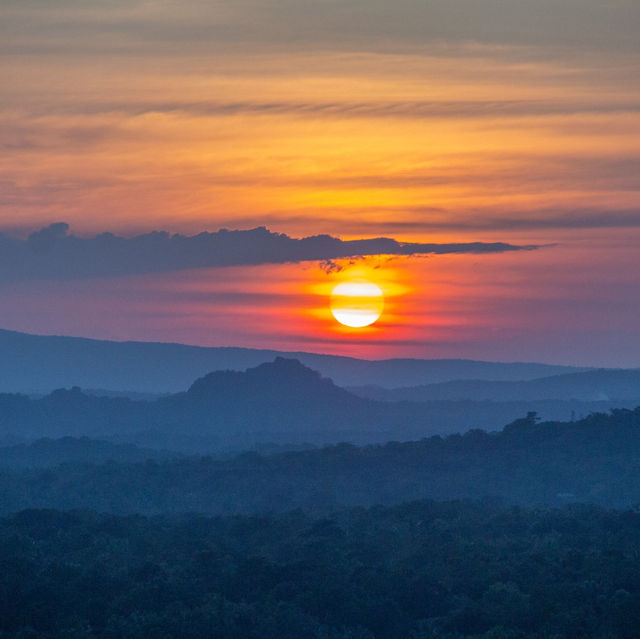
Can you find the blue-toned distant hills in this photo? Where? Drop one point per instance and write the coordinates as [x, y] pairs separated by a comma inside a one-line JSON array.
[[276, 403], [46, 452], [104, 443], [245, 399], [280, 402], [589, 386], [37, 364]]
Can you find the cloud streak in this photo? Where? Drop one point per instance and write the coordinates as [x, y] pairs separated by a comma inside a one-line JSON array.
[[43, 25], [426, 220], [54, 253], [414, 109]]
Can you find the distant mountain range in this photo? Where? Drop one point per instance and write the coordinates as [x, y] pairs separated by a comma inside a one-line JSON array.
[[589, 386], [281, 403], [40, 364]]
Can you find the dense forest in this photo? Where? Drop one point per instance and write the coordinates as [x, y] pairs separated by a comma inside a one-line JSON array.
[[417, 571], [595, 459], [483, 535]]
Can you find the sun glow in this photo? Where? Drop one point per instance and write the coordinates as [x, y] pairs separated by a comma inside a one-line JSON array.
[[357, 303]]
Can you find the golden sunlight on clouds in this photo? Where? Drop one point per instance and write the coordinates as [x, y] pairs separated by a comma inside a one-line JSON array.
[[517, 124], [300, 145]]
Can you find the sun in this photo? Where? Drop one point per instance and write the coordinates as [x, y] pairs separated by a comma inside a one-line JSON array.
[[357, 303]]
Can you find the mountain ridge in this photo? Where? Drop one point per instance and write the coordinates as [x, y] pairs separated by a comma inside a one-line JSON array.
[[41, 363], [278, 403], [592, 385]]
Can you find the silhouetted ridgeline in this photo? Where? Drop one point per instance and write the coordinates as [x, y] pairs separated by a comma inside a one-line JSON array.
[[594, 460], [281, 403], [37, 363], [598, 385]]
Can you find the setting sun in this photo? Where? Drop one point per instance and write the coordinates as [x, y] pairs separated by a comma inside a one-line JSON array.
[[357, 303]]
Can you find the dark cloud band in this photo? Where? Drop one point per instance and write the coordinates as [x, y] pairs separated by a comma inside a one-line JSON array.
[[54, 253]]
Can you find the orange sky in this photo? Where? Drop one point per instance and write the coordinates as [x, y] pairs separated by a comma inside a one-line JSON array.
[[413, 120]]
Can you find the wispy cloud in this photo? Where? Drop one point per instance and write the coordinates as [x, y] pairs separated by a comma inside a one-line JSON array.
[[418, 109], [54, 253], [427, 220], [295, 24]]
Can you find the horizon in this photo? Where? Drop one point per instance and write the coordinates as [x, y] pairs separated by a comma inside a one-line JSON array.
[[319, 319], [272, 292], [278, 352], [209, 173]]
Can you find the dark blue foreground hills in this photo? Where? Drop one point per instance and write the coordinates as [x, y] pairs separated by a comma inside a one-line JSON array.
[[529, 462]]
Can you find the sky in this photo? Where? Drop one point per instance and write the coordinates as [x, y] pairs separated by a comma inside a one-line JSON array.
[[494, 143]]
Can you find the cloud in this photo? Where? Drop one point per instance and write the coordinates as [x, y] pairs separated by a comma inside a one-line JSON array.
[[54, 253], [423, 220], [141, 25], [542, 219], [577, 219], [411, 109]]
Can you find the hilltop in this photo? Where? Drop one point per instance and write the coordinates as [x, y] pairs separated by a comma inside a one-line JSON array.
[[40, 364]]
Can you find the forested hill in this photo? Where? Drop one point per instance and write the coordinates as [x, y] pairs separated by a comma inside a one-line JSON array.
[[48, 452], [281, 402], [591, 460]]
